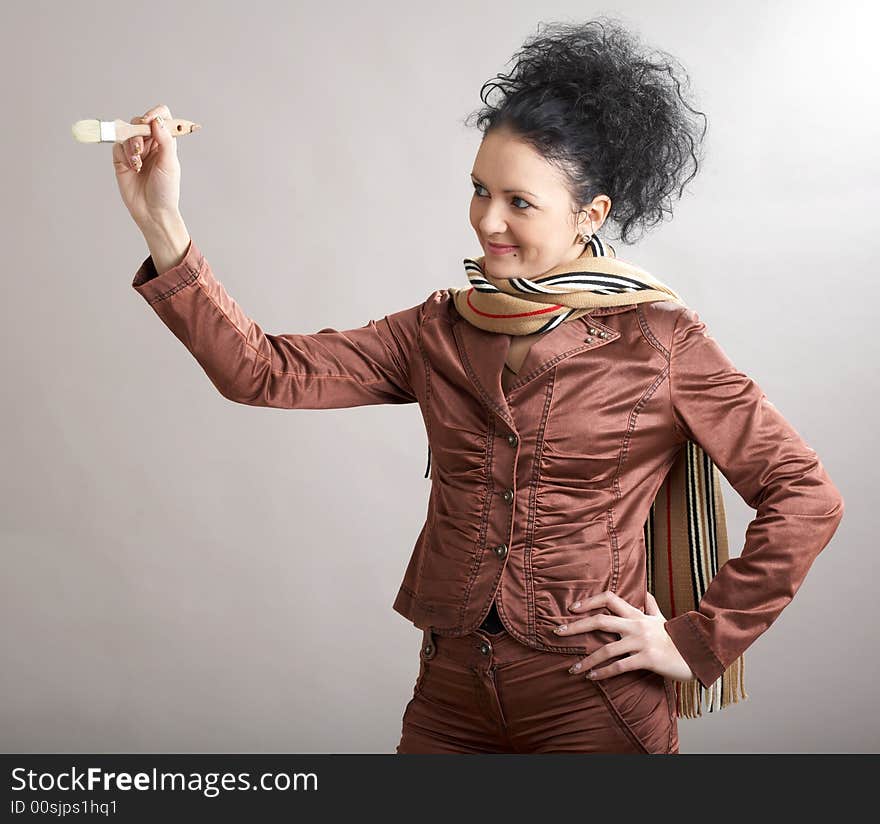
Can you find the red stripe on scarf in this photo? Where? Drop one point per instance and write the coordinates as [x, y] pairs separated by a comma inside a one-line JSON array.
[[516, 315]]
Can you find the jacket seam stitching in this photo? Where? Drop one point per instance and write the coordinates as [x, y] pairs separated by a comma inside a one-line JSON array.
[[543, 367], [480, 548], [426, 365], [192, 277], [532, 513], [648, 332], [548, 364], [696, 633], [671, 398], [621, 458], [670, 708], [473, 378], [404, 367], [618, 719], [268, 360]]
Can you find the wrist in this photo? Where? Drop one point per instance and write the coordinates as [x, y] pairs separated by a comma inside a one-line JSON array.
[[168, 240]]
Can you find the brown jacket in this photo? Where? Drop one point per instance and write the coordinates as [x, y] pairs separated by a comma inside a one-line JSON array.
[[539, 495]]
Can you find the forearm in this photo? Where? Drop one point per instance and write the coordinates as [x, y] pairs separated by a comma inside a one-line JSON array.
[[775, 471], [167, 240], [329, 369]]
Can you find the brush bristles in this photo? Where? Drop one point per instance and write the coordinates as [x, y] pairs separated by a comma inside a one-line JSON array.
[[87, 131]]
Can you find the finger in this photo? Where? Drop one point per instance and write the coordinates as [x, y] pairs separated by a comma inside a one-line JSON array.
[[141, 144], [121, 161], [606, 598], [158, 118], [613, 649], [134, 147], [159, 133], [609, 623], [596, 672], [157, 111], [620, 605], [651, 605], [147, 143], [136, 144], [167, 144], [161, 109], [610, 599], [627, 664]]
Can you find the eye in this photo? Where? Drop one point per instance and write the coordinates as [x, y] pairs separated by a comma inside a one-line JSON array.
[[521, 208]]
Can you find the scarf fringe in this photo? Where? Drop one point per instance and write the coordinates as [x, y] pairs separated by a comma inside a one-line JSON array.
[[728, 689]]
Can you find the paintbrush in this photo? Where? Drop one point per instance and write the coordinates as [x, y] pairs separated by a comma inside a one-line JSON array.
[[118, 131]]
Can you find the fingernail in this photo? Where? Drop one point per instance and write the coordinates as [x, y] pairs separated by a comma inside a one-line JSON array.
[[575, 605], [563, 628], [136, 162], [574, 668]]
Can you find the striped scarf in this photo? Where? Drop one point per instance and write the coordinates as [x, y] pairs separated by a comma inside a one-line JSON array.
[[686, 530]]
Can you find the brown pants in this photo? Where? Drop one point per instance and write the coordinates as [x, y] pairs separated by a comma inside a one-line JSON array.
[[485, 693]]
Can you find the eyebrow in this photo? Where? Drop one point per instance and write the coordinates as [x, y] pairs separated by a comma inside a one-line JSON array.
[[506, 191]]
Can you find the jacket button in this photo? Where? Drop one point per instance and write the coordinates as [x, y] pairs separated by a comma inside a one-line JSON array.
[[485, 648], [590, 340], [512, 439], [603, 334], [508, 495], [501, 550], [428, 649], [593, 330]]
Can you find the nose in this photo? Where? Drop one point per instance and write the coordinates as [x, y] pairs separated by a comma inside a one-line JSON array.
[[490, 221], [492, 226]]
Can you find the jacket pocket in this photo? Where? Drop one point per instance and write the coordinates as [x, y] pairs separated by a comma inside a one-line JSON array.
[[641, 703]]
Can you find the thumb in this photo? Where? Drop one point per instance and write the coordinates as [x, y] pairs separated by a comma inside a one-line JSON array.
[[164, 141]]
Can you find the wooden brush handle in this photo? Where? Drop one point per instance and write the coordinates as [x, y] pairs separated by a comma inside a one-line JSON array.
[[176, 126]]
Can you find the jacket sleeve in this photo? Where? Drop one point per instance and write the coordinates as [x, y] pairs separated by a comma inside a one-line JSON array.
[[325, 370], [774, 471]]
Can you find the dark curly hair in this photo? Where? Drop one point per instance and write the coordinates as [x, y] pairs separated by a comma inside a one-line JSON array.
[[606, 111]]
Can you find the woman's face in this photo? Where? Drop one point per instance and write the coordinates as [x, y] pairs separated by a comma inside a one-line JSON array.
[[535, 215]]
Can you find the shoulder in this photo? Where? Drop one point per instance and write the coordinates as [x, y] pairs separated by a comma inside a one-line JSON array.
[[435, 304], [664, 318], [440, 304], [664, 312], [438, 300], [675, 323]]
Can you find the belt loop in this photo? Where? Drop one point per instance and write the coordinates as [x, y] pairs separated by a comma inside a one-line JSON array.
[[429, 648]]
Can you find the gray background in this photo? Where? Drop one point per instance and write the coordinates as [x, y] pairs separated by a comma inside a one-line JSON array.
[[181, 573]]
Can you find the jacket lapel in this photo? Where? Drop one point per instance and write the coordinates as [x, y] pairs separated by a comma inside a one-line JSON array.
[[483, 354]]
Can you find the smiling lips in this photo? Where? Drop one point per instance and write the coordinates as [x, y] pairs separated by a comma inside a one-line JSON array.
[[500, 250]]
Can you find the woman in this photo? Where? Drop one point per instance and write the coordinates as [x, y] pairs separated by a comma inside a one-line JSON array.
[[562, 393]]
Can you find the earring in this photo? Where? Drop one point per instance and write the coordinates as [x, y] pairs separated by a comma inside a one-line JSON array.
[[585, 238]]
